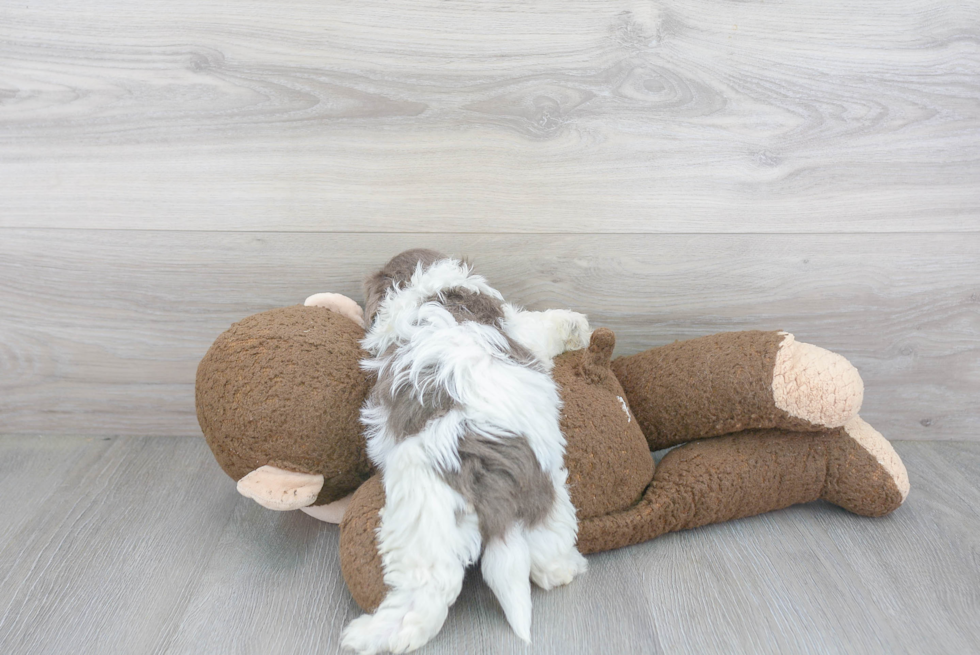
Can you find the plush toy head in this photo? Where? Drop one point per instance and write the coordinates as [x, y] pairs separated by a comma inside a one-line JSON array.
[[283, 389]]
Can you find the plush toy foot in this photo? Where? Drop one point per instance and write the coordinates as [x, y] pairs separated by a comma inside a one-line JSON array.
[[275, 488], [734, 381], [338, 303], [864, 473], [815, 385]]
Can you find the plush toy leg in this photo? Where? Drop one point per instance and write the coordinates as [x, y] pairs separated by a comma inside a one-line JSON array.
[[735, 381], [757, 471], [703, 482], [855, 483], [360, 562]]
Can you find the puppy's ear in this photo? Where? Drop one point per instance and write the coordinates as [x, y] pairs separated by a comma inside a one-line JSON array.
[[375, 288]]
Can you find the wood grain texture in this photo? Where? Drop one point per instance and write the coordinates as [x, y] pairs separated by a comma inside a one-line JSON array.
[[429, 116], [107, 563], [143, 545], [883, 579], [101, 331]]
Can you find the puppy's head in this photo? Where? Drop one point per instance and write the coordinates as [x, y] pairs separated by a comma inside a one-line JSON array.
[[397, 272]]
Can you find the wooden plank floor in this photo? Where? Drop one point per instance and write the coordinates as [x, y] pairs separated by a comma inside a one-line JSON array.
[[142, 545]]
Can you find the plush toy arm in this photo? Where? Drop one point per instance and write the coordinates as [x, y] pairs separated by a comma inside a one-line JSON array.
[[753, 472], [549, 333], [735, 381]]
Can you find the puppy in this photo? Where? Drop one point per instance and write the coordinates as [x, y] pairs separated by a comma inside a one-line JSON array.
[[463, 425]]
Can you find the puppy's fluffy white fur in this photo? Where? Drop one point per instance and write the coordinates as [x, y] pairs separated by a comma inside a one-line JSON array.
[[429, 533]]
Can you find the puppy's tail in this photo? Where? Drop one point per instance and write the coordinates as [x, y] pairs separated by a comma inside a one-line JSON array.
[[506, 569]]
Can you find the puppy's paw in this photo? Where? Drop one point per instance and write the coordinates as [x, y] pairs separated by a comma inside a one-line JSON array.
[[575, 330], [391, 629], [361, 636], [559, 571]]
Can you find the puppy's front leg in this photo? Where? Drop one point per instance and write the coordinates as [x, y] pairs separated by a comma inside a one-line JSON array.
[[424, 549], [549, 333]]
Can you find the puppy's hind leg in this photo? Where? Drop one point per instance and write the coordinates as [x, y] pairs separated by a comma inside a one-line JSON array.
[[555, 560], [506, 569], [426, 540]]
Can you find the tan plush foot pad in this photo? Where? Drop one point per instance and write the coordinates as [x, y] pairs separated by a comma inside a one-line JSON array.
[[723, 383], [816, 385]]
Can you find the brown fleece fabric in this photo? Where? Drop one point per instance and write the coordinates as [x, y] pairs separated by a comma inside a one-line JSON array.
[[705, 387], [284, 388], [746, 474], [360, 562], [856, 481], [608, 461]]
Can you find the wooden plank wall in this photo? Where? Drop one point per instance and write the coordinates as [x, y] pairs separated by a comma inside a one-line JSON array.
[[672, 168]]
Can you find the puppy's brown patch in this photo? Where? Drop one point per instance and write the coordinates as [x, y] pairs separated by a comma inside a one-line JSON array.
[[504, 482], [398, 271]]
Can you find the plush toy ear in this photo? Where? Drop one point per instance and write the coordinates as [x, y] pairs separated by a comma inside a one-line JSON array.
[[279, 489], [338, 303]]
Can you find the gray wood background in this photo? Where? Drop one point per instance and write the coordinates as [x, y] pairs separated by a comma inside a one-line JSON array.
[[672, 168]]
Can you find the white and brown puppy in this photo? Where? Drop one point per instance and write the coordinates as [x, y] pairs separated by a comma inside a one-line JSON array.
[[463, 425]]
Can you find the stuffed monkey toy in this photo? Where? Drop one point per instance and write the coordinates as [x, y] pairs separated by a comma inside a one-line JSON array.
[[758, 422]]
